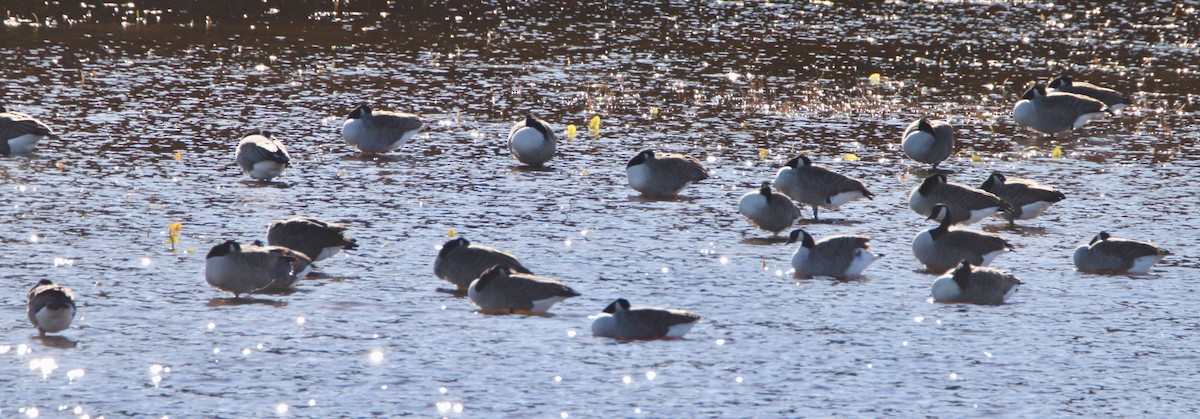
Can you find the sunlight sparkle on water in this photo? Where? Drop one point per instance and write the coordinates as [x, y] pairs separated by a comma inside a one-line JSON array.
[[558, 378], [953, 376], [720, 342], [918, 319], [145, 262], [44, 365], [23, 349], [300, 320], [442, 390], [376, 356], [571, 333], [650, 375], [627, 379], [74, 374], [281, 408], [563, 415], [30, 411]]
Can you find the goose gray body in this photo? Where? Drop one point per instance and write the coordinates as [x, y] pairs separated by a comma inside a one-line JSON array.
[[1106, 254], [379, 131], [318, 240], [928, 141], [621, 321], [241, 269], [818, 186], [301, 264], [460, 262], [975, 285], [836, 256], [50, 307], [532, 141], [663, 174], [261, 156], [767, 210], [1026, 199], [1055, 112], [500, 290], [20, 133], [1110, 97], [968, 205], [942, 247]]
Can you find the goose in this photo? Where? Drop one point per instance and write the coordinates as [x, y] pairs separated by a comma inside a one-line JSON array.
[[532, 141], [499, 290], [620, 321], [460, 262], [1114, 99], [928, 141], [969, 205], [817, 186], [302, 266], [51, 307], [942, 247], [1052, 113], [768, 211], [20, 133], [261, 156], [975, 285], [1027, 199], [379, 131], [836, 256], [663, 174], [318, 240], [240, 270], [1105, 254]]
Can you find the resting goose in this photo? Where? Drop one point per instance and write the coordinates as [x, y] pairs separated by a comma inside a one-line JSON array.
[[460, 262], [767, 210], [1114, 99], [261, 156], [1106, 254], [379, 131], [532, 141], [499, 290], [928, 141], [318, 240], [942, 247], [975, 285], [1027, 199], [20, 133], [240, 270], [621, 321], [818, 186], [969, 205], [50, 307], [663, 174], [836, 256], [1052, 113]]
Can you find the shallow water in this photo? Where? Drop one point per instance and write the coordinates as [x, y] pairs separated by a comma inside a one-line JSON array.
[[744, 86]]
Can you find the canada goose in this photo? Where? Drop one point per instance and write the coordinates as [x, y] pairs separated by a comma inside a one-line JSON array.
[[499, 290], [969, 205], [1027, 199], [379, 131], [317, 239], [943, 247], [301, 267], [1105, 254], [621, 321], [817, 186], [975, 285], [768, 211], [928, 141], [836, 256], [663, 174], [461, 262], [1052, 113], [20, 133], [532, 141], [51, 307], [1114, 99], [261, 156], [240, 270]]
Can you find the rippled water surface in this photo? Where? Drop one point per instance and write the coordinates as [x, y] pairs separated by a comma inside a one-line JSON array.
[[744, 86]]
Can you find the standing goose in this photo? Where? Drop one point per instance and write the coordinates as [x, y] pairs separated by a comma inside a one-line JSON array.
[[1027, 199], [230, 267], [261, 156], [1105, 254], [975, 285], [460, 262], [620, 321], [1114, 99], [817, 186], [969, 205], [768, 211], [942, 247], [499, 290], [1052, 113], [663, 174], [317, 239], [836, 256], [51, 307], [20, 133], [532, 141], [379, 131], [928, 141]]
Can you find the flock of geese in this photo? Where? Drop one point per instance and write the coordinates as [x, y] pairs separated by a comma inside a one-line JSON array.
[[498, 282]]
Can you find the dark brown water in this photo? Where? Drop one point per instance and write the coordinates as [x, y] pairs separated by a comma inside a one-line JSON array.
[[745, 86]]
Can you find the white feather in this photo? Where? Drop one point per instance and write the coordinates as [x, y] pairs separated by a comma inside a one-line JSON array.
[[1142, 265], [543, 305], [1025, 112], [799, 257], [945, 289], [639, 176], [23, 144], [842, 198], [862, 259], [677, 331], [917, 143], [53, 321], [989, 257], [605, 325], [980, 214], [1030, 211], [328, 252], [1083, 119], [353, 130], [527, 141], [266, 170]]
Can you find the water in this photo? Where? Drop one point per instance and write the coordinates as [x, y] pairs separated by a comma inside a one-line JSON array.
[[744, 86]]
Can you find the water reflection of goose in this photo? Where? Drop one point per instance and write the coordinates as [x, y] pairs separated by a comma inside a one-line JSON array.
[[379, 131], [1106, 254], [51, 307], [767, 210], [1110, 97], [818, 186], [261, 156], [460, 262], [928, 141], [968, 205], [621, 321], [531, 141], [1052, 113], [975, 285], [20, 133], [836, 256], [663, 174], [943, 247], [499, 290]]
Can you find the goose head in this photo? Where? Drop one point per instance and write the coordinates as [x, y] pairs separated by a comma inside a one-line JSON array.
[[453, 244], [1099, 238], [765, 191], [949, 286], [640, 158], [798, 235], [490, 275], [924, 126], [1037, 91], [931, 182], [532, 122], [359, 112], [993, 182], [224, 249], [1060, 82], [617, 306]]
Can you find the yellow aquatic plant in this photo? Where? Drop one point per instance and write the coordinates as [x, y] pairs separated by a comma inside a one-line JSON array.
[[173, 231], [571, 132], [850, 157], [594, 125], [1057, 153]]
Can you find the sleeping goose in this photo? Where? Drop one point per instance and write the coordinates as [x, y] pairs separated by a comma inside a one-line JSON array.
[[836, 256], [1052, 113], [379, 131], [975, 285], [50, 307], [499, 290], [969, 205], [1114, 99], [20, 133], [261, 156], [942, 247], [532, 141], [240, 270], [1027, 199], [817, 186], [460, 262], [768, 211], [1105, 254], [928, 141], [302, 265], [663, 174], [317, 239], [620, 321]]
